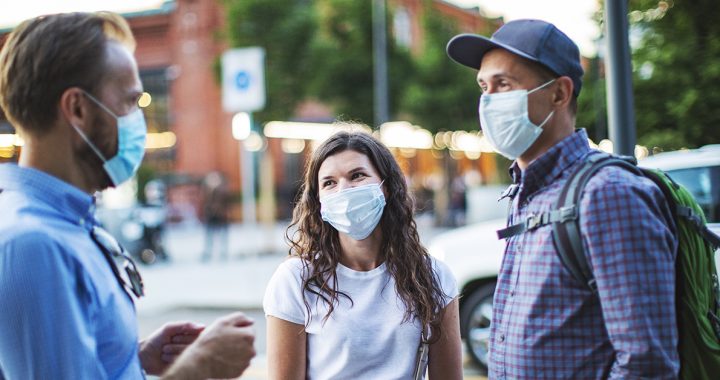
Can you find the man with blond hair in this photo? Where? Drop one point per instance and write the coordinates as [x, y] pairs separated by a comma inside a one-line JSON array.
[[70, 85]]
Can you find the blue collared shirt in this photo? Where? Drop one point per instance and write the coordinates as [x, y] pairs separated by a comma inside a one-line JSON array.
[[547, 325], [64, 315]]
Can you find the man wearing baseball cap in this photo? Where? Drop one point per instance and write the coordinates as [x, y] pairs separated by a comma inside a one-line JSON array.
[[545, 323]]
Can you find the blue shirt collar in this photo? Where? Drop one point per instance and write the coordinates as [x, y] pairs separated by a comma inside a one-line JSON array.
[[71, 203], [545, 169]]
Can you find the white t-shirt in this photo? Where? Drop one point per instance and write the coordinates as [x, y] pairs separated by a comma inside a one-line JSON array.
[[362, 340]]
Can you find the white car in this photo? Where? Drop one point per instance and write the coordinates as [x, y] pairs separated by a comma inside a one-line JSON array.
[[474, 252]]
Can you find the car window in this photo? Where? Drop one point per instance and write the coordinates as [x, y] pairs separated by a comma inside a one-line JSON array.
[[704, 185]]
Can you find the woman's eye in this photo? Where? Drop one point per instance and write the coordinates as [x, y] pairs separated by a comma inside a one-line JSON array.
[[358, 175], [327, 183]]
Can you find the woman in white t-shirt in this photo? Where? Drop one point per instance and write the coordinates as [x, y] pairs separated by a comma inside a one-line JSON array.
[[352, 299]]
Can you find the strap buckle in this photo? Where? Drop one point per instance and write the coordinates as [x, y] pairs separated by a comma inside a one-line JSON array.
[[533, 221], [568, 213]]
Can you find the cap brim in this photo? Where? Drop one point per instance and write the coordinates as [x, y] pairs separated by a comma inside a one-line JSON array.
[[469, 49]]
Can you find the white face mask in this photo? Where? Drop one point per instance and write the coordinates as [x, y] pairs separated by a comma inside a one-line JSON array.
[[355, 211], [505, 122]]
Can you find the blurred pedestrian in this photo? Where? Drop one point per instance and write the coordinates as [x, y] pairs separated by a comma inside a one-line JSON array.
[[359, 296], [545, 323], [458, 202], [70, 85], [215, 214]]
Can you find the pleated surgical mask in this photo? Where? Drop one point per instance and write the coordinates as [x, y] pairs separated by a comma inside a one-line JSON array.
[[355, 211], [132, 132], [505, 123]]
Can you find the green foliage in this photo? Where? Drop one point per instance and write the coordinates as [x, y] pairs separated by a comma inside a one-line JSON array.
[[443, 94], [592, 109], [677, 72], [285, 29], [322, 49], [342, 56], [144, 175]]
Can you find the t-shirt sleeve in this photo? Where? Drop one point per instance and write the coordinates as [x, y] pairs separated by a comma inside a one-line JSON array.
[[447, 280], [283, 295], [46, 326]]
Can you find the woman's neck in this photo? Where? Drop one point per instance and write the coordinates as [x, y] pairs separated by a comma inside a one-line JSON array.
[[361, 255]]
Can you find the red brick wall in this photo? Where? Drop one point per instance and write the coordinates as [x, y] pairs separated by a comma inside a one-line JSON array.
[[186, 42]]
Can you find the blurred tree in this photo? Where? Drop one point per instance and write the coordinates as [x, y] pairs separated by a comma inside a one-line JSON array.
[[318, 49], [342, 58], [676, 69], [592, 107], [442, 94], [285, 28]]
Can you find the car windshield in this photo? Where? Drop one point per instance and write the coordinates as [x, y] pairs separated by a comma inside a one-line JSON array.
[[704, 184]]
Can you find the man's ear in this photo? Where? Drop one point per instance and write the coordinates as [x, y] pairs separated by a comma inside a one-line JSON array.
[[563, 91], [73, 107]]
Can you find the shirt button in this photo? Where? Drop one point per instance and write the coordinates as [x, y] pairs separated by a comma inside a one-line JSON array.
[[512, 293], [501, 338]]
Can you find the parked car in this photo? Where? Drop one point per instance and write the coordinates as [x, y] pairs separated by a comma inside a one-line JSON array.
[[474, 253]]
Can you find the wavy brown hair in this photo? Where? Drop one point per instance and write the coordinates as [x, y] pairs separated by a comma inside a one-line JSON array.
[[317, 243]]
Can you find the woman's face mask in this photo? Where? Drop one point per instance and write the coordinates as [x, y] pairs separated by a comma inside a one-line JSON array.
[[132, 132], [504, 121], [355, 211]]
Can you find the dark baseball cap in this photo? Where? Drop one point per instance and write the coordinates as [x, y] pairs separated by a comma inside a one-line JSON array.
[[535, 40]]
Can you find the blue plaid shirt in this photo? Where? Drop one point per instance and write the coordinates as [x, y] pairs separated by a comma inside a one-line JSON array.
[[547, 325]]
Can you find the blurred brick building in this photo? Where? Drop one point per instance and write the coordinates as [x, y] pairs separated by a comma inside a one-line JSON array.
[[178, 48]]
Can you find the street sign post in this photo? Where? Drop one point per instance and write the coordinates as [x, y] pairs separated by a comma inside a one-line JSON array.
[[243, 91]]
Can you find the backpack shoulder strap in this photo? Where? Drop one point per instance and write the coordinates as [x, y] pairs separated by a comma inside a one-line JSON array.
[[567, 236]]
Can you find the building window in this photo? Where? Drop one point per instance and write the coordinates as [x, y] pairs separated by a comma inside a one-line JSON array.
[[402, 27], [157, 113], [160, 152]]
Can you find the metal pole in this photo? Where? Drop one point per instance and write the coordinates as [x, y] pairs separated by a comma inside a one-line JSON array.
[[382, 113], [621, 115], [247, 173]]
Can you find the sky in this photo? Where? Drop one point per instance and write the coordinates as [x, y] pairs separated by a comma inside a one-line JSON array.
[[572, 16], [14, 11]]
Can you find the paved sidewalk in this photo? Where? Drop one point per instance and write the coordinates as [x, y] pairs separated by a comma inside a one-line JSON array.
[[235, 282]]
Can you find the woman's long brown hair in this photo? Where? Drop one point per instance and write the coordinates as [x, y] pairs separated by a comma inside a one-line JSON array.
[[317, 243]]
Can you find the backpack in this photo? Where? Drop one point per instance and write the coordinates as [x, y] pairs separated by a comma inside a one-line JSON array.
[[697, 291]]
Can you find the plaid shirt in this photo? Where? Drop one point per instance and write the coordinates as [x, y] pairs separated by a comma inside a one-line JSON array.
[[546, 324]]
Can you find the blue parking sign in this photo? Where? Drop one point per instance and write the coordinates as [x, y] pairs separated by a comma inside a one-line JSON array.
[[243, 80]]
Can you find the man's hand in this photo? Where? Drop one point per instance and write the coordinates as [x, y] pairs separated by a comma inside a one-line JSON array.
[[161, 348], [223, 350]]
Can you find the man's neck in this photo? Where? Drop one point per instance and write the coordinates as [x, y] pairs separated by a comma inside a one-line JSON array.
[[48, 155], [548, 139]]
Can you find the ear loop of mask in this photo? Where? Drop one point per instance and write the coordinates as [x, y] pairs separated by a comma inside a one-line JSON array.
[[84, 136], [104, 107], [539, 88]]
